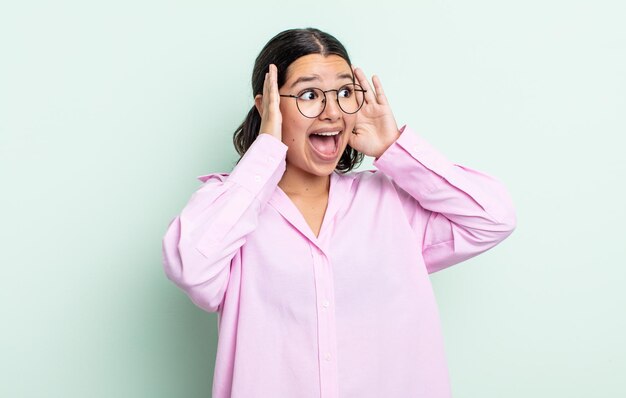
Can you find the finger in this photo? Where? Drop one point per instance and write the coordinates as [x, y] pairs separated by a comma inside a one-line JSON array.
[[267, 90], [380, 93], [369, 93], [269, 87], [274, 86]]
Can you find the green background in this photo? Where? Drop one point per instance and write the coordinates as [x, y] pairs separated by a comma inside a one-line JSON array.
[[109, 110]]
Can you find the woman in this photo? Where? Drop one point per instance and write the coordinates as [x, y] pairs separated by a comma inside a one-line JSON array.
[[319, 274]]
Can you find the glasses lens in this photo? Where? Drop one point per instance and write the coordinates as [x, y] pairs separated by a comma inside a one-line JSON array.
[[311, 102], [350, 97]]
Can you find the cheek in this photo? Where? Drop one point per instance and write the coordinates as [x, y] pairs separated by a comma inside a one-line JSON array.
[[349, 122], [294, 133], [351, 119], [293, 122]]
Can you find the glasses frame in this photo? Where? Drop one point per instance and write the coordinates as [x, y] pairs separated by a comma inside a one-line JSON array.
[[360, 88]]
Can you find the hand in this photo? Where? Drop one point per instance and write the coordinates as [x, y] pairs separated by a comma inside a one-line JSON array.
[[376, 128], [269, 104]]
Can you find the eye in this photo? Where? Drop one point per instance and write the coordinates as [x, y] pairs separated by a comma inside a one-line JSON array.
[[345, 91], [308, 95]]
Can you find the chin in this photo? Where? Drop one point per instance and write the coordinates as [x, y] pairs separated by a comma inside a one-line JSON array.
[[324, 171]]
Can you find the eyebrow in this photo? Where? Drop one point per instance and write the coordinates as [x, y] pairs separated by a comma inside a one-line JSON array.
[[314, 77]]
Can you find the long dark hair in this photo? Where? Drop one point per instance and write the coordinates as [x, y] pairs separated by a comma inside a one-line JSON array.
[[282, 50]]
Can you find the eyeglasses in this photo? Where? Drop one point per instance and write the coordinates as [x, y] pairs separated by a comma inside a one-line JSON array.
[[311, 102]]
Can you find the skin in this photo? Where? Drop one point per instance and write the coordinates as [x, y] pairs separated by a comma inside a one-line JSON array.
[[307, 177]]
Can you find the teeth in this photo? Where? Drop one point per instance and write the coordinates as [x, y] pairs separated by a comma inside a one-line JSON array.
[[328, 134]]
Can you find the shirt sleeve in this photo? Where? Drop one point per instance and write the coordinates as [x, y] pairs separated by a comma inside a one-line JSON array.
[[458, 212], [201, 241]]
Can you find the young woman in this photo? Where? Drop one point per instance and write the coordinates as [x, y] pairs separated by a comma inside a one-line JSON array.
[[319, 274]]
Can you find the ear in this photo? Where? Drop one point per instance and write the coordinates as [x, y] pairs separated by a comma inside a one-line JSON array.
[[258, 102]]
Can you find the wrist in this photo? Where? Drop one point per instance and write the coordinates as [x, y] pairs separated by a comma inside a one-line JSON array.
[[386, 146]]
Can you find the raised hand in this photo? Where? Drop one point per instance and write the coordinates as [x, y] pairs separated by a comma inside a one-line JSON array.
[[376, 128], [269, 102]]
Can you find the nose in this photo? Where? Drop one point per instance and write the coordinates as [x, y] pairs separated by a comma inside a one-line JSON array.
[[332, 111]]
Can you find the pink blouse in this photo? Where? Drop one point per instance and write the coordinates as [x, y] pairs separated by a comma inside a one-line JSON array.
[[350, 313]]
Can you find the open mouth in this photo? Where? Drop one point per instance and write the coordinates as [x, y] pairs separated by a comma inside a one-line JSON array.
[[326, 144]]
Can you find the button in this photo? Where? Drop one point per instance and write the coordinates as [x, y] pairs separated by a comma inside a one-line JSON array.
[[326, 303], [257, 178], [327, 357], [270, 159]]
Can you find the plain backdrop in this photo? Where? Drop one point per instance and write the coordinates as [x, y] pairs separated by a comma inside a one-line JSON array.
[[109, 111]]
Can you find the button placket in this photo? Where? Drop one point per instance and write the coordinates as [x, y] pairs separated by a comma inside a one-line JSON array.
[[326, 326]]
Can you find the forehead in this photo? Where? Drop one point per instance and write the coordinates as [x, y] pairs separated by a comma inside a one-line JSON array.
[[326, 67]]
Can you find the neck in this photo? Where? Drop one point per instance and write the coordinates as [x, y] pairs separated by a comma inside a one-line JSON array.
[[298, 183]]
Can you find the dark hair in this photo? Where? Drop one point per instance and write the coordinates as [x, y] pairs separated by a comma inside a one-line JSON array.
[[282, 50]]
